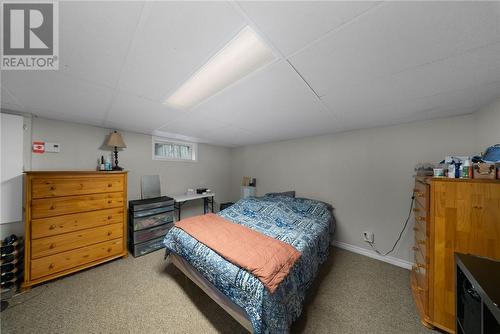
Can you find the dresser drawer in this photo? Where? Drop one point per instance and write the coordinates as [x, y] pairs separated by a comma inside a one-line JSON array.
[[420, 268], [420, 228], [43, 188], [45, 227], [421, 292], [420, 212], [420, 232], [67, 260], [48, 207], [65, 242], [421, 192], [421, 246]]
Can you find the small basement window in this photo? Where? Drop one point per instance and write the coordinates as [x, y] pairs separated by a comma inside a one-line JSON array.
[[165, 149]]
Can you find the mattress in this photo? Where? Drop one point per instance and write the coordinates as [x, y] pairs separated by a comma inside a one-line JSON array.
[[303, 223]]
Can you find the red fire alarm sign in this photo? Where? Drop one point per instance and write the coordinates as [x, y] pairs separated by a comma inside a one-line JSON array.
[[38, 147]]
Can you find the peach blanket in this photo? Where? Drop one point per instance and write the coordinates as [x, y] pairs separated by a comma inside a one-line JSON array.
[[270, 260]]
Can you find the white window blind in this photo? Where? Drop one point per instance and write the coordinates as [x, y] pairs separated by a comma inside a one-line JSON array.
[[164, 149]]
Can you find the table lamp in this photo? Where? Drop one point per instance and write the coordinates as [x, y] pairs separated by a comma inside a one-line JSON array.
[[115, 140]]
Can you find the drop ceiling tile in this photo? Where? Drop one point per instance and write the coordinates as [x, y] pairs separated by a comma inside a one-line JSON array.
[[471, 98], [129, 111], [176, 39], [94, 38], [291, 25], [396, 36], [234, 136], [445, 104], [46, 93], [439, 112], [274, 102], [193, 124], [8, 99], [455, 73], [459, 73], [70, 117], [11, 106]]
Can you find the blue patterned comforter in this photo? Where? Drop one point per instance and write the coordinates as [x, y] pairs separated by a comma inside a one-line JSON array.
[[303, 223]]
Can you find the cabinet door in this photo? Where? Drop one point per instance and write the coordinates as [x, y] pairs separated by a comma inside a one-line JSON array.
[[444, 205], [466, 218], [478, 223]]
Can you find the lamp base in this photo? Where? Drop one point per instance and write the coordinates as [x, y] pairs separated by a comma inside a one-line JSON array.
[[117, 168]]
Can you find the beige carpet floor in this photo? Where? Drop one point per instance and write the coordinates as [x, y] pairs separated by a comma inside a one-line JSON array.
[[353, 294]]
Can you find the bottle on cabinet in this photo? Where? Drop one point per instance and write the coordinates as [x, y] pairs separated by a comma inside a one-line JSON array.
[[101, 165]]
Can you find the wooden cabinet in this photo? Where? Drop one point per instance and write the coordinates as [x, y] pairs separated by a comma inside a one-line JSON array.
[[451, 215], [74, 220]]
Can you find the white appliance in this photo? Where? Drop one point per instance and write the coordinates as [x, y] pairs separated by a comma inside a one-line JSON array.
[[11, 161], [247, 192]]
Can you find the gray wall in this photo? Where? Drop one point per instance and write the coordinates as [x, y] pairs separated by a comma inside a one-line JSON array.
[[488, 125], [81, 147], [365, 174]]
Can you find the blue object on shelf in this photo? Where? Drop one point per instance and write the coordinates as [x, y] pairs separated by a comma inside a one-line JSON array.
[[492, 154]]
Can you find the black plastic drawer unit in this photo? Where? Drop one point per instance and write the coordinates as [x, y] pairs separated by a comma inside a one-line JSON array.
[[146, 247], [148, 222], [150, 233], [142, 223]]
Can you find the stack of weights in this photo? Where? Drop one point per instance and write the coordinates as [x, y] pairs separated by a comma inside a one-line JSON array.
[[11, 271]]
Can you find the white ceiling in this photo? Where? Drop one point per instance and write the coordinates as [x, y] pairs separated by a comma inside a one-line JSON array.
[[340, 66]]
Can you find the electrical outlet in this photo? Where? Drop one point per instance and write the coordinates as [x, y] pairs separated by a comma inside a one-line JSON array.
[[368, 236]]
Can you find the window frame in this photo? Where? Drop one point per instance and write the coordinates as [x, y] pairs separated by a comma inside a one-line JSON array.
[[160, 140]]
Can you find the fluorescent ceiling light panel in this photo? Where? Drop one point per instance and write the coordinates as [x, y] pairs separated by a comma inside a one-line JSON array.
[[243, 55]]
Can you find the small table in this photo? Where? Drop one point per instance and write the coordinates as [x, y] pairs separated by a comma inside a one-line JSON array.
[[208, 198]]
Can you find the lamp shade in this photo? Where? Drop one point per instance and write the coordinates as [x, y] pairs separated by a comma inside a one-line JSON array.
[[115, 139]]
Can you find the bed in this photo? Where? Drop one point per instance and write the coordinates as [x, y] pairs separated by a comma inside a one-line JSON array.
[[305, 224]]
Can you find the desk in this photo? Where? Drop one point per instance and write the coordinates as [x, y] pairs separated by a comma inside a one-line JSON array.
[[183, 198]]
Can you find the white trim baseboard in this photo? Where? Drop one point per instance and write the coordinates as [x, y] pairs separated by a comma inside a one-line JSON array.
[[366, 252]]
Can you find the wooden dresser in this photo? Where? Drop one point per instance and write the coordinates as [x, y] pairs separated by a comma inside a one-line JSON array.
[[451, 215], [73, 221]]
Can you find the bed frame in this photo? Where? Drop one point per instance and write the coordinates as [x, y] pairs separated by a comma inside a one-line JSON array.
[[228, 305]]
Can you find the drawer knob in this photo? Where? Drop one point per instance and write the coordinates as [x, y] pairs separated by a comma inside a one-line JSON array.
[[52, 227], [52, 246], [109, 233], [109, 217], [109, 185], [51, 266], [52, 207], [52, 188], [109, 201], [109, 250]]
